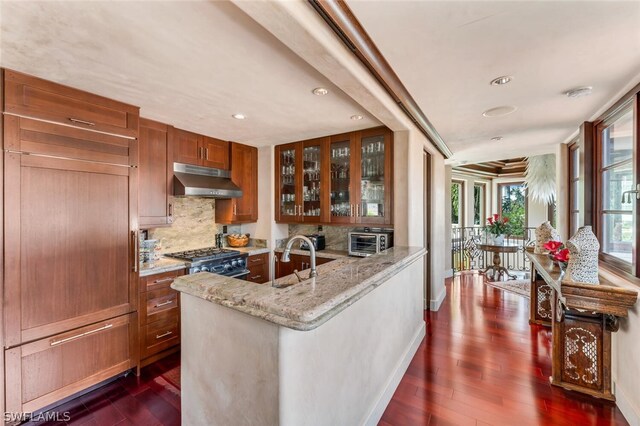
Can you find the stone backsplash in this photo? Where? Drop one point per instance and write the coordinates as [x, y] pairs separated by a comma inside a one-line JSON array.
[[336, 237], [193, 225]]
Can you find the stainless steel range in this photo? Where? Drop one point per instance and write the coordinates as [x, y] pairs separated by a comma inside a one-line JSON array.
[[230, 263]]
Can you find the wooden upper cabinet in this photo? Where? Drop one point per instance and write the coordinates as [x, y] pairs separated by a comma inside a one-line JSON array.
[[244, 173], [215, 153], [187, 147], [33, 97], [198, 150], [155, 173]]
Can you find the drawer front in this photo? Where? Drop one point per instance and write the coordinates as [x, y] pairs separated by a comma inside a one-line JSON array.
[[258, 259], [159, 336], [159, 304], [33, 97], [47, 370], [258, 273], [158, 281]]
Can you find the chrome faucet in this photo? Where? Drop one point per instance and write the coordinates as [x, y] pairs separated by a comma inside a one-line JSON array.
[[312, 253]]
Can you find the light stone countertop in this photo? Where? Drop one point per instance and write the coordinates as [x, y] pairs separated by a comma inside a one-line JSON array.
[[306, 305], [327, 254], [251, 250], [164, 264]]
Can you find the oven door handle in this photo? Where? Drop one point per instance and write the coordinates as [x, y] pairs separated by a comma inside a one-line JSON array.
[[245, 272]]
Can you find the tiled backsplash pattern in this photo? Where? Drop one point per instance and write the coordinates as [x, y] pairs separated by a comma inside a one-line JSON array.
[[193, 225], [336, 237]]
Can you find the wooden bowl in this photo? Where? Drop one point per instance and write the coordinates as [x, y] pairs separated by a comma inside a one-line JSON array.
[[237, 240]]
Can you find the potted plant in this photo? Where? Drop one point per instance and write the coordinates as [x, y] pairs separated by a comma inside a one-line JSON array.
[[498, 226]]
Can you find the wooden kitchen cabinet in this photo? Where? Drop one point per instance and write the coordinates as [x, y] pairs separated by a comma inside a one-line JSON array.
[[298, 262], [258, 266], [159, 310], [354, 185], [155, 174], [244, 173], [199, 150]]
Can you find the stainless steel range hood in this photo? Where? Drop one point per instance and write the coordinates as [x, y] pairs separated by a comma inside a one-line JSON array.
[[203, 182]]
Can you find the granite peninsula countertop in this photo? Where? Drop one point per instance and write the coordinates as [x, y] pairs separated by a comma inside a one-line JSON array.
[[252, 251], [327, 254], [310, 303]]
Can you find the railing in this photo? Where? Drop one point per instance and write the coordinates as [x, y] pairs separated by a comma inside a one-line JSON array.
[[466, 256]]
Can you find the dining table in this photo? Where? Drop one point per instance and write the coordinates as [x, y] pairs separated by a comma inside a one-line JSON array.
[[497, 269]]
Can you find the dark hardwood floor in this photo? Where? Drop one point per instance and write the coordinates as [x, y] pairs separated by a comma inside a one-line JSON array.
[[481, 363]]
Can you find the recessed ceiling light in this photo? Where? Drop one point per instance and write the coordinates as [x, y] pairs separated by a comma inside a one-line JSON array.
[[499, 81], [497, 138], [579, 92], [499, 111], [357, 117], [239, 116], [320, 91]]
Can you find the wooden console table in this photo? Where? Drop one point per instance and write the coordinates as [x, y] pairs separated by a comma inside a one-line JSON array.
[[582, 318]]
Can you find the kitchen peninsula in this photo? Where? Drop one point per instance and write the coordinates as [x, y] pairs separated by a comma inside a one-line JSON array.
[[331, 349]]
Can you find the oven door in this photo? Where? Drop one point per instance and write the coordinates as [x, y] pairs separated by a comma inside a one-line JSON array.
[[363, 244], [242, 275]]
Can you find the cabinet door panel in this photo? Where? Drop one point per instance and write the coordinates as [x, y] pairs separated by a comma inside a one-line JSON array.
[[288, 188], [343, 178], [215, 153], [244, 173], [187, 147], [160, 335], [155, 173], [375, 153], [47, 370]]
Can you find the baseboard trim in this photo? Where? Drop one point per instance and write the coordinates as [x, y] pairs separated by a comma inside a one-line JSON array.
[[435, 304], [626, 407], [448, 273], [383, 401]]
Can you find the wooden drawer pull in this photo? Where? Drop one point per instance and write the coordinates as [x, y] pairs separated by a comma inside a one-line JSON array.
[[86, 333], [168, 302], [164, 280], [256, 277], [78, 121], [160, 336]]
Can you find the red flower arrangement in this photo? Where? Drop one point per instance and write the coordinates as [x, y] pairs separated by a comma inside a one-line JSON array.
[[557, 251], [498, 225]]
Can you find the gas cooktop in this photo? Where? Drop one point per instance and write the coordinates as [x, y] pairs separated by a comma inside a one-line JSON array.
[[202, 254]]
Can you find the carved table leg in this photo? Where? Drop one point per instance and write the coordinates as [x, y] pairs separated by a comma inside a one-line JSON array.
[[539, 301], [581, 351]]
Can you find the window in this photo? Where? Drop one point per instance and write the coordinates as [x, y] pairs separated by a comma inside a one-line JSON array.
[[457, 205], [574, 187], [616, 174], [479, 201], [512, 203]]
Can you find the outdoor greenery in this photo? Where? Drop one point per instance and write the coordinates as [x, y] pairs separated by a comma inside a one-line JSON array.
[[514, 207], [455, 203], [477, 205]]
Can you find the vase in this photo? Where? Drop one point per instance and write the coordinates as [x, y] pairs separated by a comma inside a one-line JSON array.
[[544, 233], [498, 240], [583, 257]]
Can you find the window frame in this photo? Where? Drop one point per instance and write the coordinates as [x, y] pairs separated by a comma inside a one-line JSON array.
[[622, 107], [526, 201], [573, 227], [461, 204]]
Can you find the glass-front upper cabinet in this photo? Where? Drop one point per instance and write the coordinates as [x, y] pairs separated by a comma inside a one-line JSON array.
[[288, 169], [341, 200], [375, 154], [312, 181]]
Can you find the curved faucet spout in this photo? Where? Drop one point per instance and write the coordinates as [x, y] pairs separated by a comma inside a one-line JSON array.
[[312, 253]]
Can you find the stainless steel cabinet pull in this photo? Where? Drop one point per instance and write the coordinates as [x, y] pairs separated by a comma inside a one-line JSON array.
[[206, 153], [160, 336], [200, 152], [170, 209], [351, 210], [163, 280], [78, 121], [86, 333], [168, 302], [136, 247], [357, 210], [256, 277], [254, 260], [235, 209]]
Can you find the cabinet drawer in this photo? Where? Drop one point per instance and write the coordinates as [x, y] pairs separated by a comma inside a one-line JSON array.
[[158, 281], [159, 336], [159, 304], [33, 97], [258, 273], [47, 370], [257, 259]]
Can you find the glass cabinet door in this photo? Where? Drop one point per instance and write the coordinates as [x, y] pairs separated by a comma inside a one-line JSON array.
[[311, 204], [374, 178], [288, 202], [341, 199]]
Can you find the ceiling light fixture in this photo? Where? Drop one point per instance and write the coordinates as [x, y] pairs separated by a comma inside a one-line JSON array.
[[357, 117], [239, 116], [497, 138], [579, 92], [499, 111], [320, 91], [499, 81]]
